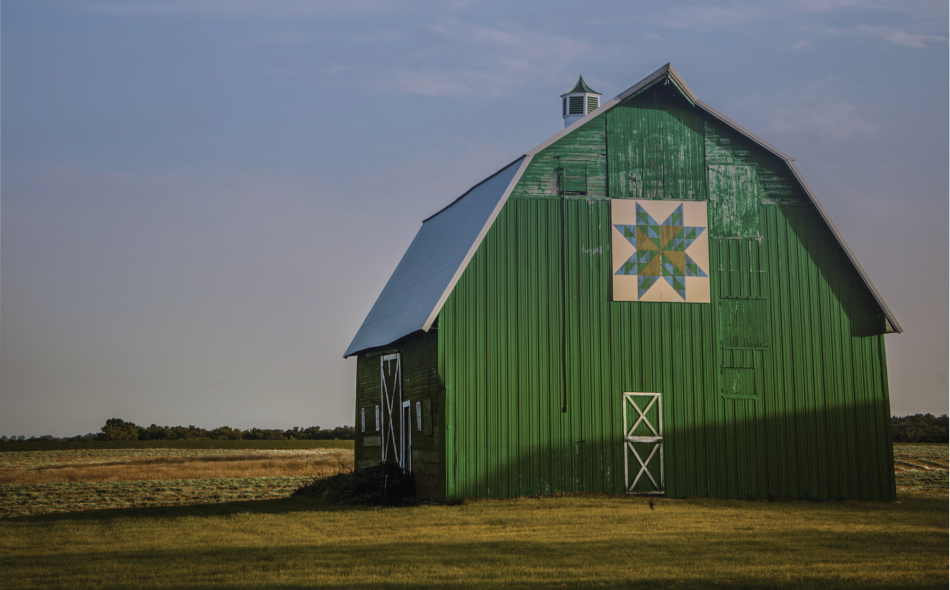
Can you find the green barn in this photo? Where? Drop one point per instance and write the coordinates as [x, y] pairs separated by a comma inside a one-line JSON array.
[[652, 301]]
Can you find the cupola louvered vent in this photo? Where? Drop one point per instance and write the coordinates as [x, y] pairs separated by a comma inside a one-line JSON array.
[[563, 107], [592, 103], [577, 105]]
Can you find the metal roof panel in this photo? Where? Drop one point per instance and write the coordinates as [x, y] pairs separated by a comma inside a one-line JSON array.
[[432, 264]]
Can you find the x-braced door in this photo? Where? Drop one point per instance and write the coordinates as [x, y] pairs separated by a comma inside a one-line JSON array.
[[391, 404], [643, 443]]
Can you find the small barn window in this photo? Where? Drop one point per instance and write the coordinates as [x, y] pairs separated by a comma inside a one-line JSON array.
[[427, 416], [362, 419], [738, 381], [377, 418], [419, 416], [574, 179], [745, 323], [741, 373]]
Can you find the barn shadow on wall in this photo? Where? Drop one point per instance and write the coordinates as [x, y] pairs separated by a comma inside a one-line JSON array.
[[745, 456]]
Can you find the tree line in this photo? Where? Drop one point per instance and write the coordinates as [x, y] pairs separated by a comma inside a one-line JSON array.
[[920, 428], [116, 429]]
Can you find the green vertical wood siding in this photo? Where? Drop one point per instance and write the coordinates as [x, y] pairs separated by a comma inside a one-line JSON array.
[[655, 147], [535, 356]]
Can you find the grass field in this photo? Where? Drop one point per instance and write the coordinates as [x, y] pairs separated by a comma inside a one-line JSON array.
[[921, 468], [39, 482], [120, 518], [574, 541], [42, 445]]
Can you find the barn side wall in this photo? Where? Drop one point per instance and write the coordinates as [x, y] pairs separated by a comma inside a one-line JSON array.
[[535, 356], [420, 383]]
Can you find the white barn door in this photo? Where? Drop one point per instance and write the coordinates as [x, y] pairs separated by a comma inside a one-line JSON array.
[[643, 443], [390, 368]]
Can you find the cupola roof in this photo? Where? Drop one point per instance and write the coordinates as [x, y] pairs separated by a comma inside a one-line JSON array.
[[581, 86]]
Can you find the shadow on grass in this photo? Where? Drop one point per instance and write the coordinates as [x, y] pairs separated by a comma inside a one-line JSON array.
[[907, 502], [809, 559], [275, 506]]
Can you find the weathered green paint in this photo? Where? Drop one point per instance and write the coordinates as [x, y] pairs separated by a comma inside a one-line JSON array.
[[723, 146], [777, 387], [584, 153], [655, 147], [733, 201]]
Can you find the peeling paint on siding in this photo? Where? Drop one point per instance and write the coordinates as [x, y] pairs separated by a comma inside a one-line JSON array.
[[655, 148], [733, 201]]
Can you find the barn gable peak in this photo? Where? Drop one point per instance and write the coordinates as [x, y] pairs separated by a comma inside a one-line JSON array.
[[399, 311]]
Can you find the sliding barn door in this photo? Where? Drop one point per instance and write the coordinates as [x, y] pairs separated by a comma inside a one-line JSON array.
[[391, 405]]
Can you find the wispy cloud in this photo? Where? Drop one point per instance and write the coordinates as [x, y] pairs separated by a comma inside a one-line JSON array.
[[799, 45], [818, 112], [494, 60], [892, 35], [239, 8], [705, 18], [702, 17]]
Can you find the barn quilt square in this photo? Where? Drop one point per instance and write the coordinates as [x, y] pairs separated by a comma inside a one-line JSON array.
[[660, 250]]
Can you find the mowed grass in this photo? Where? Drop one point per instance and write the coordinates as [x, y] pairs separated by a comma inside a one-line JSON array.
[[23, 500], [62, 481], [921, 468], [572, 541], [54, 445], [158, 464]]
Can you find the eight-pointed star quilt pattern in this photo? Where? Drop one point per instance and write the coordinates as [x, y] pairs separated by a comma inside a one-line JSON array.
[[660, 250]]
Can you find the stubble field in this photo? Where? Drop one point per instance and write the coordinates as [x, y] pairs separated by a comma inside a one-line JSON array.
[[39, 482], [158, 538]]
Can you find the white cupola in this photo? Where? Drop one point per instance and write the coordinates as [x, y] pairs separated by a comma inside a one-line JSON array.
[[578, 102]]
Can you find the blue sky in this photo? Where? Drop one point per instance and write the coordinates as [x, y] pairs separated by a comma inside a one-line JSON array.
[[201, 199]]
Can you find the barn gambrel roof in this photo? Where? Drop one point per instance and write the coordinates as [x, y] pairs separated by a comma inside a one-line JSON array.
[[430, 268]]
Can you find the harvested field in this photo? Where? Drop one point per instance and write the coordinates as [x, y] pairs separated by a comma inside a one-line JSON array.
[[40, 482], [47, 498], [194, 443], [922, 468], [40, 467]]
